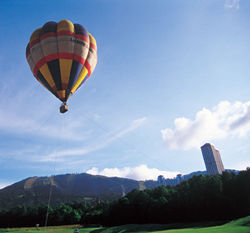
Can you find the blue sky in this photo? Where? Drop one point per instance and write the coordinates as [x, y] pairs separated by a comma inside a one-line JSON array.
[[171, 75]]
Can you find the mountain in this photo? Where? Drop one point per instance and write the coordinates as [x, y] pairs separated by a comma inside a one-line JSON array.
[[35, 191]]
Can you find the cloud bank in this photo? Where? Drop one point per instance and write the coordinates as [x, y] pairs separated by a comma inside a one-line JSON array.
[[243, 165], [4, 184], [232, 4], [141, 172], [222, 121]]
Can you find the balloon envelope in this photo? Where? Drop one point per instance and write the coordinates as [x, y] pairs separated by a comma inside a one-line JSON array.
[[62, 56]]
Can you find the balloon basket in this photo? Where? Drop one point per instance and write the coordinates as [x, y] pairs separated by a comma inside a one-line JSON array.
[[64, 108]]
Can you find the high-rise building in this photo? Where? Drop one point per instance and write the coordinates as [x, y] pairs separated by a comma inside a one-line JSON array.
[[161, 180], [212, 159]]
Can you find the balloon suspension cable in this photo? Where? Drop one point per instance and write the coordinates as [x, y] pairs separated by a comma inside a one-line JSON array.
[[52, 181], [48, 206]]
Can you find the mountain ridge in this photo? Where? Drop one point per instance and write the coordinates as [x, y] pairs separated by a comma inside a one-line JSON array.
[[34, 191]]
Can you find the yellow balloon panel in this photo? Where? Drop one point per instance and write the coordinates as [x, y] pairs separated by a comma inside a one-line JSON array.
[[62, 56]]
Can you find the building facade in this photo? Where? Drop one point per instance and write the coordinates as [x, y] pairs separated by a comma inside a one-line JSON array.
[[212, 159]]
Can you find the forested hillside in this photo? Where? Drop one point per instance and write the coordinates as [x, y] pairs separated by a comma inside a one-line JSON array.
[[34, 191], [201, 198]]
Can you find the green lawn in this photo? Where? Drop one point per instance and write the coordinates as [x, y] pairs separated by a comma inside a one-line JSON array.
[[58, 229], [238, 226]]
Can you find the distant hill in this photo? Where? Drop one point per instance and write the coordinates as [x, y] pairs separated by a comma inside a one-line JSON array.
[[65, 188], [35, 191], [181, 178]]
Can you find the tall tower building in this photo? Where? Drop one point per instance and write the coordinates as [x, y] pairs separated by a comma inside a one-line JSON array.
[[212, 159]]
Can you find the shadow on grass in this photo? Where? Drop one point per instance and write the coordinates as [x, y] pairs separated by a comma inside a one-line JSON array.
[[242, 221], [156, 227], [99, 230], [5, 230]]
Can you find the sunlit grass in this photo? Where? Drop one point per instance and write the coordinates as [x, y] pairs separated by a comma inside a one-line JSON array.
[[57, 229], [238, 226]]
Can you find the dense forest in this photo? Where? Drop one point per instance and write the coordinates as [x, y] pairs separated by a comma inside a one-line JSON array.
[[201, 198]]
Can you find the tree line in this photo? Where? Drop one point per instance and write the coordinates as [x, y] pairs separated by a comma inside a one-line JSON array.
[[201, 198]]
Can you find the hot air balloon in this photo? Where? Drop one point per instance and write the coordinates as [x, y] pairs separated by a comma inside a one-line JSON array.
[[62, 56]]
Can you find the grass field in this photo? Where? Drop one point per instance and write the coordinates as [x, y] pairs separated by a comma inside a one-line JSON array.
[[58, 229], [241, 225]]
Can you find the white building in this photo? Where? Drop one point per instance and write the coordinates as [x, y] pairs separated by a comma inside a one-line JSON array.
[[212, 159]]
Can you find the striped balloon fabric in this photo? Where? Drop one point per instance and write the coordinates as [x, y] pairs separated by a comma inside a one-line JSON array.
[[62, 56]]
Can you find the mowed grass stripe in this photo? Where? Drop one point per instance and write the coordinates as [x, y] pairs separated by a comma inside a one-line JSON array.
[[237, 226]]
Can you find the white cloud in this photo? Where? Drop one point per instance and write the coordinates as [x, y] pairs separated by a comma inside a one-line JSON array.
[[4, 184], [32, 114], [35, 124], [242, 165], [224, 120], [141, 172], [29, 111], [232, 4], [98, 145]]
